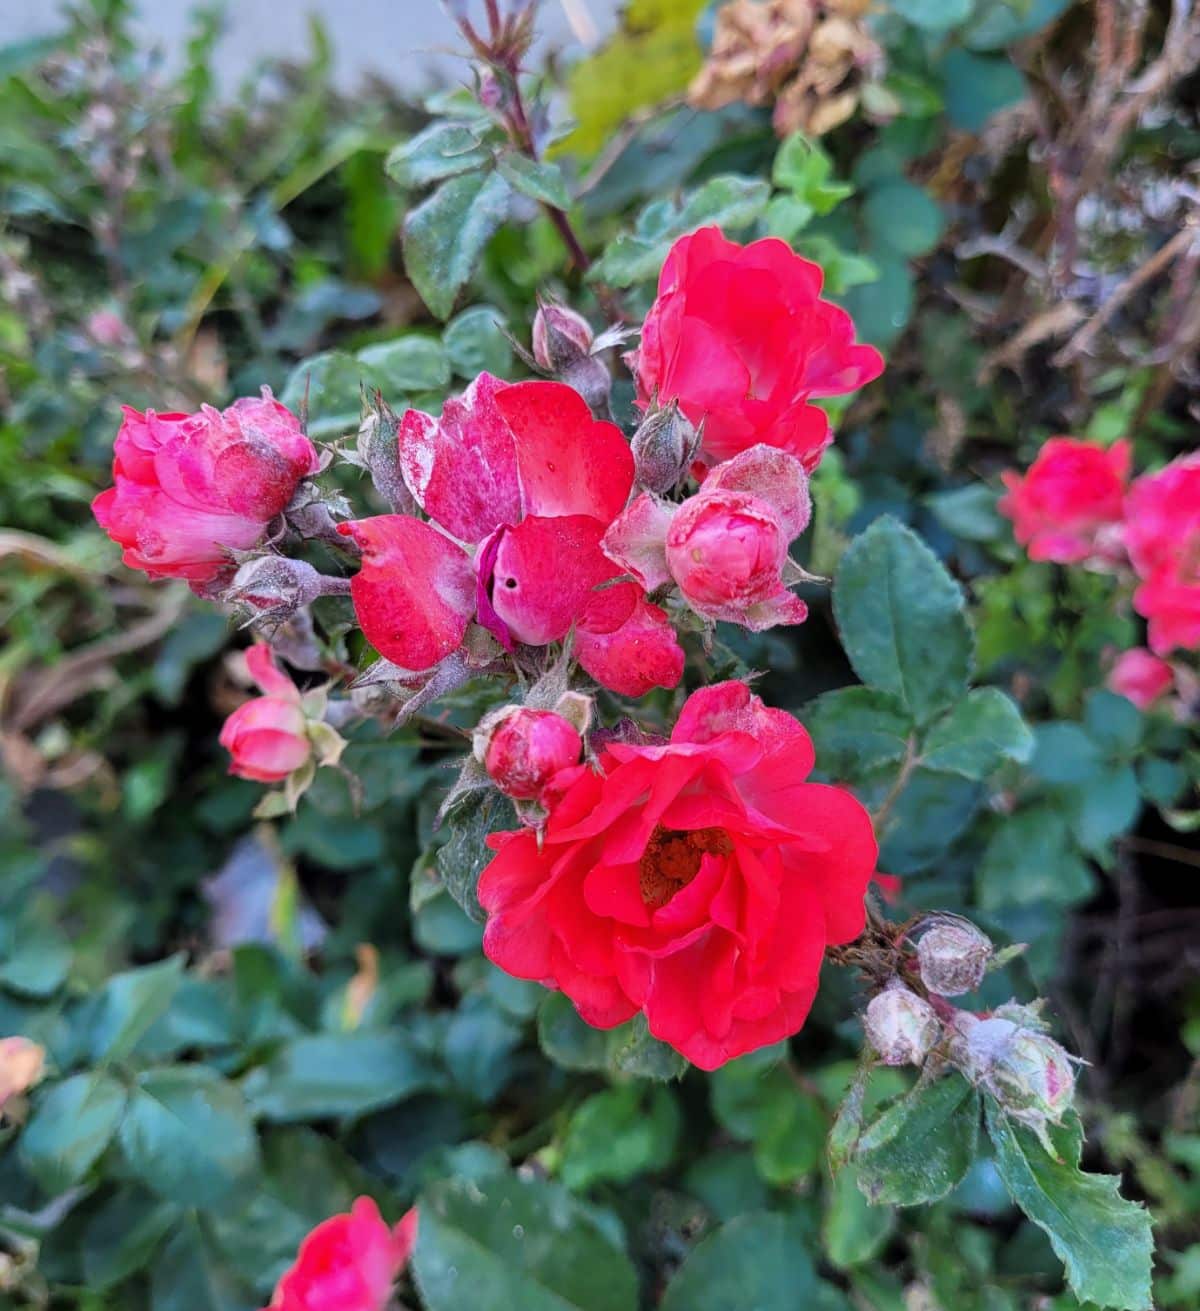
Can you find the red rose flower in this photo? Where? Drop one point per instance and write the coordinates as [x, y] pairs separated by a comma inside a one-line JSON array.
[[1162, 536], [1141, 676], [740, 337], [521, 483], [698, 881], [191, 487], [267, 736], [1068, 506], [726, 547], [348, 1263]]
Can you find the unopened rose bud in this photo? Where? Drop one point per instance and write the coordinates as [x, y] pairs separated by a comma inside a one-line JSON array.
[[267, 737], [901, 1026], [561, 337], [278, 586], [1026, 1070], [22, 1063], [523, 749], [379, 450], [953, 957], [663, 449]]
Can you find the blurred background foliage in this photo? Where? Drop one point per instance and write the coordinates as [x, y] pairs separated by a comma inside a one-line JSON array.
[[249, 1023]]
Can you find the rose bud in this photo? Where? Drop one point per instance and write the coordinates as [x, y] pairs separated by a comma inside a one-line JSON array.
[[1026, 1070], [378, 448], [953, 957], [901, 1026], [523, 749], [192, 488], [268, 735], [21, 1065], [1141, 676], [348, 1263], [278, 586], [561, 337], [663, 448]]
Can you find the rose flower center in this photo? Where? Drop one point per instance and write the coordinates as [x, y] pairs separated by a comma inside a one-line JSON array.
[[672, 860]]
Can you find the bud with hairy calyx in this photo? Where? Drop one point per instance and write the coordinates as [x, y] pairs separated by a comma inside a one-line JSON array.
[[561, 337], [663, 449], [378, 451], [902, 1027], [953, 956]]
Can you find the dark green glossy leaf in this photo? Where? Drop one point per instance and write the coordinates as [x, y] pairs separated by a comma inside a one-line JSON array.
[[71, 1126]]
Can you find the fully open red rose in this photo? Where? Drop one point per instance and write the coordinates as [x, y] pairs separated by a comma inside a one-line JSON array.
[[267, 736], [1068, 506], [1162, 535], [348, 1263], [521, 483], [698, 881], [191, 486], [740, 337]]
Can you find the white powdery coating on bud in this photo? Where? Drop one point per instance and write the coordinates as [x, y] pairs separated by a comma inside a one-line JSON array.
[[1029, 1073], [902, 1027], [276, 584], [953, 957], [561, 337], [663, 448]]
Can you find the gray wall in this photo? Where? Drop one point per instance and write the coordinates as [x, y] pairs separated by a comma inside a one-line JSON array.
[[403, 40]]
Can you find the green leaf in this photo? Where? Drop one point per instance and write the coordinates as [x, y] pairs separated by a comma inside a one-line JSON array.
[[619, 1134], [187, 1135], [856, 730], [330, 385], [933, 809], [903, 217], [120, 1239], [1065, 755], [802, 167], [189, 1275], [850, 1119], [632, 1049], [969, 512], [442, 150], [999, 25], [407, 364], [39, 961], [853, 1231], [933, 15], [1104, 1241], [475, 342], [129, 1005], [727, 201], [460, 862], [567, 1039], [536, 179], [328, 1075], [901, 619], [500, 1243], [71, 1126], [1031, 858], [790, 1145], [977, 86], [922, 1145], [981, 732], [445, 236], [756, 1261], [1114, 722]]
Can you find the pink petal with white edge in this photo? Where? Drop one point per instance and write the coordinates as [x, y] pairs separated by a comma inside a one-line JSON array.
[[774, 476], [636, 541], [770, 612], [641, 654], [544, 573], [462, 468], [569, 463], [260, 661], [415, 592]]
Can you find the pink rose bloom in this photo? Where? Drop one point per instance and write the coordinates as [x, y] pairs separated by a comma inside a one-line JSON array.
[[527, 748], [22, 1064], [1162, 536], [740, 337], [520, 483], [726, 548], [1068, 506], [348, 1263], [1141, 676], [268, 735], [191, 487]]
